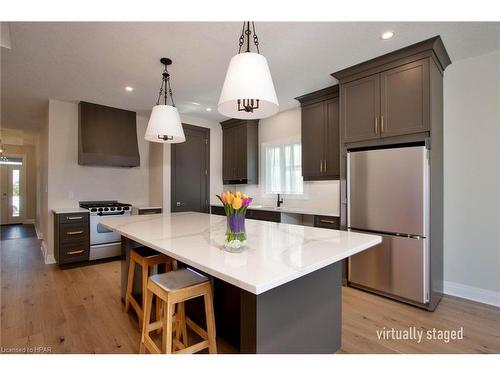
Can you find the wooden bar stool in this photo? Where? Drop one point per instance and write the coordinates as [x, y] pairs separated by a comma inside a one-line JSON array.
[[174, 288], [145, 258]]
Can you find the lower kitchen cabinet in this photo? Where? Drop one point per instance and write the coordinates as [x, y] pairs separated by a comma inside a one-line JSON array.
[[262, 215], [328, 222], [71, 237]]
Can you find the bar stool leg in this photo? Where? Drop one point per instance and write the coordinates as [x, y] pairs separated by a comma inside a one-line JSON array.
[[182, 328], [159, 305], [145, 275], [209, 313], [167, 327], [130, 283], [148, 298]]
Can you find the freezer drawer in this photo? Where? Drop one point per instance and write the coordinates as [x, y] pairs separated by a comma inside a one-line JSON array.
[[387, 190], [397, 266]]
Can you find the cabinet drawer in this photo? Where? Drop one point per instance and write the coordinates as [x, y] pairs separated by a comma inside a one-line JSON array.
[[264, 215], [76, 217], [72, 232], [329, 222], [72, 252], [217, 210]]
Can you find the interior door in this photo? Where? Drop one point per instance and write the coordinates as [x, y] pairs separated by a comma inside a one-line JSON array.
[[361, 109], [332, 143], [313, 129], [405, 99], [11, 193], [190, 171]]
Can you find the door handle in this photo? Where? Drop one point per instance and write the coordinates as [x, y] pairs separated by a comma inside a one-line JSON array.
[[321, 166], [75, 252], [381, 124], [324, 169], [376, 125]]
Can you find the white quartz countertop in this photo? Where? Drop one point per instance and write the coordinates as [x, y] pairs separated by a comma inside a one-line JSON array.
[[73, 210], [288, 210], [275, 254]]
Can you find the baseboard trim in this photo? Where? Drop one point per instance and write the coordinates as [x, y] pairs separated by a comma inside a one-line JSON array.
[[39, 234], [47, 258], [488, 297], [29, 221]]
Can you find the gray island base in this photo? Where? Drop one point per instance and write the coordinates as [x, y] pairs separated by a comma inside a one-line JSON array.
[[302, 316]]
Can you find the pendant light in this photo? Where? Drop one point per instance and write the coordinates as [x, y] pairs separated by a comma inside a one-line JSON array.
[[248, 91], [165, 125]]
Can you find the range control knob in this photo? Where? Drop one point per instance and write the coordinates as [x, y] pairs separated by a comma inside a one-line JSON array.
[[106, 209], [100, 209]]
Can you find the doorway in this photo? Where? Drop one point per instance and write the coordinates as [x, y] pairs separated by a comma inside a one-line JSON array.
[[190, 171], [12, 189]]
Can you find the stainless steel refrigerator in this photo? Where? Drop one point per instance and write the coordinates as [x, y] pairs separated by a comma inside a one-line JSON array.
[[388, 194]]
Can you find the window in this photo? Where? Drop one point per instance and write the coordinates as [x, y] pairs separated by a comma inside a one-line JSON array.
[[283, 168]]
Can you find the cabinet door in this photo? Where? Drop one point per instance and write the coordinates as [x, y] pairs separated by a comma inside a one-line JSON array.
[[360, 102], [405, 99], [227, 154], [239, 152], [332, 141], [313, 128]]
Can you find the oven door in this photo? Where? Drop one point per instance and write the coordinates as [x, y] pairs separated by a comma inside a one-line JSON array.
[[99, 234]]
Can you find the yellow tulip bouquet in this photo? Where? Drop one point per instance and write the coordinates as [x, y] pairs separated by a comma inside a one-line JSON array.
[[235, 207]]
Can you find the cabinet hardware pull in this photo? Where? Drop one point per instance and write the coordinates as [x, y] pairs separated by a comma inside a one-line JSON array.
[[75, 252], [325, 166], [75, 232], [74, 217], [321, 166], [327, 221], [376, 125], [381, 124]]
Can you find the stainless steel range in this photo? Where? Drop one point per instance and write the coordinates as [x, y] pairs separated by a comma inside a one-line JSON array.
[[103, 242]]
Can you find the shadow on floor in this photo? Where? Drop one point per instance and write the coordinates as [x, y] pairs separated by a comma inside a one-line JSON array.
[[15, 231]]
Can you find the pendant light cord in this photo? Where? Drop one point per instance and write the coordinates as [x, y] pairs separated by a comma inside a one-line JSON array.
[[165, 88], [245, 34]]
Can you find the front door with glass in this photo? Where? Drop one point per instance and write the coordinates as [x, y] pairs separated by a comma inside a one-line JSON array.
[[11, 200]]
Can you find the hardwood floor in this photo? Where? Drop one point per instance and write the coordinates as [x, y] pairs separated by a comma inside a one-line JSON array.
[[79, 311]]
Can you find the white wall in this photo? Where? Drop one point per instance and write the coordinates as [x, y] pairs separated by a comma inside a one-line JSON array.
[[161, 191], [472, 178], [321, 196], [69, 183]]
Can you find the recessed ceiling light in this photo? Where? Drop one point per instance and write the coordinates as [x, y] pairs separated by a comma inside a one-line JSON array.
[[195, 103], [387, 35], [208, 109], [129, 88]]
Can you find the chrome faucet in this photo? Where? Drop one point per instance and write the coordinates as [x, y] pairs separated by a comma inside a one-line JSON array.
[[279, 202]]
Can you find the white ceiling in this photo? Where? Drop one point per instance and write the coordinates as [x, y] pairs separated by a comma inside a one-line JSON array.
[[95, 61]]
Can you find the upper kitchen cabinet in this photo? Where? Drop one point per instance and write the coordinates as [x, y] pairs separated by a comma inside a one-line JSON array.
[[320, 134], [240, 150], [391, 95]]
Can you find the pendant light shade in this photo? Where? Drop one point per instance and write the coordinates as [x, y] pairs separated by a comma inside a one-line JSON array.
[[164, 124], [248, 90], [248, 78]]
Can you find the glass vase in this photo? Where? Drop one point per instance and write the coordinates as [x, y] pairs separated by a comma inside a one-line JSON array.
[[236, 236]]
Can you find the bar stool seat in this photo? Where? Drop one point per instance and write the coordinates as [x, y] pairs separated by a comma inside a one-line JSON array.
[[174, 288], [146, 258]]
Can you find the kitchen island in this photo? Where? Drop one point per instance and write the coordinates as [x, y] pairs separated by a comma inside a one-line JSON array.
[[281, 294]]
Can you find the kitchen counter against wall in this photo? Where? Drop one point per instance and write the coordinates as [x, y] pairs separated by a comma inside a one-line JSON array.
[[288, 210]]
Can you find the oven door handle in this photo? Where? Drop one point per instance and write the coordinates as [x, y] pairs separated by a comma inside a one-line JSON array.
[[111, 213]]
